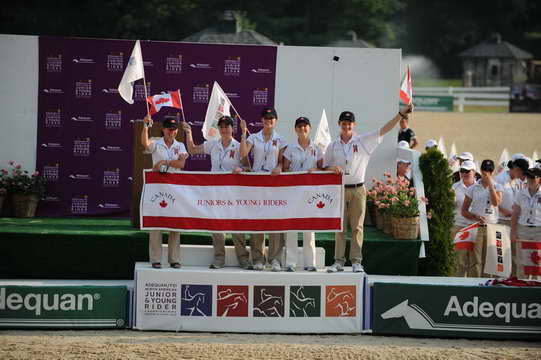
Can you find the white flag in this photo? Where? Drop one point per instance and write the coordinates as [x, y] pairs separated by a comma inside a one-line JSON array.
[[453, 161], [504, 159], [498, 260], [134, 71], [441, 147], [219, 105], [323, 135]]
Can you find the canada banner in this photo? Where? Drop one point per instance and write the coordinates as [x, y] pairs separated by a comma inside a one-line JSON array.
[[242, 203]]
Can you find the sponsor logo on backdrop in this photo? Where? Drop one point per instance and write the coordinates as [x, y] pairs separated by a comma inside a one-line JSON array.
[[80, 176], [79, 205], [82, 118], [51, 145], [232, 301], [196, 300], [83, 89], [163, 199], [261, 71], [51, 198], [111, 178], [200, 94], [80, 60], [233, 95], [108, 206], [340, 301], [111, 148], [232, 66], [115, 62], [110, 91], [54, 63], [269, 301], [53, 119], [200, 66], [148, 63], [320, 200], [260, 96], [199, 157], [196, 123], [53, 91], [41, 303], [81, 147], [113, 120], [160, 299], [173, 64], [50, 172], [304, 301], [139, 91]]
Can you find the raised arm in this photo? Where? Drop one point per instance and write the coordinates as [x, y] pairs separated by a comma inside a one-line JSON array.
[[245, 147], [145, 141], [192, 148], [403, 113]]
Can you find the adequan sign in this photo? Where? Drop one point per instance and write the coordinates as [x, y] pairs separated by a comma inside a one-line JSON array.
[[457, 311]]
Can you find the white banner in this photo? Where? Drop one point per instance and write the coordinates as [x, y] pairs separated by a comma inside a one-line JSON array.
[[498, 259], [242, 203], [234, 300]]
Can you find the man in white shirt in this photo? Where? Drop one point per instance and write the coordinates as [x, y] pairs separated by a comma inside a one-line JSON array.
[[349, 154]]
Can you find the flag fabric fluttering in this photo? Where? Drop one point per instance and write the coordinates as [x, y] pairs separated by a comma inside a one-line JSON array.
[[323, 134], [465, 237], [452, 158], [219, 105], [498, 251], [171, 99], [530, 256], [406, 88], [134, 71], [441, 147]]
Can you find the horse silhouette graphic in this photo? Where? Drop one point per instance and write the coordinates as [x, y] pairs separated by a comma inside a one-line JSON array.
[[417, 318], [341, 301], [231, 300], [300, 303], [193, 302], [269, 305]]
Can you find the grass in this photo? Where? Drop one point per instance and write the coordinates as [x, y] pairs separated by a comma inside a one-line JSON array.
[[436, 82]]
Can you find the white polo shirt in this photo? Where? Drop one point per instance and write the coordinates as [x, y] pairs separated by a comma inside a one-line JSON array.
[[353, 156], [460, 191], [221, 159], [265, 152], [303, 159], [160, 151], [481, 205], [530, 207]]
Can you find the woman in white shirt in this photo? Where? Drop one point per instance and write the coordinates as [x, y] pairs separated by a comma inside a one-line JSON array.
[[267, 147], [481, 205], [304, 155], [224, 157], [168, 155]]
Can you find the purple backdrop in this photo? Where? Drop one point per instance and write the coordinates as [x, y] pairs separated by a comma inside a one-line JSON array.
[[85, 129]]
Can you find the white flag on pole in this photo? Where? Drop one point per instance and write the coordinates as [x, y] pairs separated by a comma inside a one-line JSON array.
[[441, 147], [453, 161], [134, 71], [498, 259], [323, 134], [504, 159], [219, 105]]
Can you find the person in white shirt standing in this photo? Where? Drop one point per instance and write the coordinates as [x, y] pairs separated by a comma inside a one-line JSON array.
[[464, 258], [526, 218], [268, 148], [168, 155], [349, 154], [481, 205], [224, 157], [304, 155]]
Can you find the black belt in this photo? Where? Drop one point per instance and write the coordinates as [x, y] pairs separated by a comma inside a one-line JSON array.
[[354, 185]]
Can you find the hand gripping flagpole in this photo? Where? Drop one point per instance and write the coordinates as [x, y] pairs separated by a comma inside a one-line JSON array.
[[146, 95]]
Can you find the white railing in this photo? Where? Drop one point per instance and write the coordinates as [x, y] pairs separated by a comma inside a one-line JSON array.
[[480, 96]]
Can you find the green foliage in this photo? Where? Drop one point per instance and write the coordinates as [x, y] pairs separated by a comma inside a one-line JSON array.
[[19, 181], [438, 183]]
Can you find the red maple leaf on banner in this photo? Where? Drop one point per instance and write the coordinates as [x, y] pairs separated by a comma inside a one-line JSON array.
[[320, 204], [536, 258], [163, 203], [464, 235]]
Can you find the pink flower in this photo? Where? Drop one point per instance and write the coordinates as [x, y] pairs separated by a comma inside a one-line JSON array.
[[18, 166], [423, 199], [11, 162], [429, 215], [36, 173], [407, 203], [387, 174]]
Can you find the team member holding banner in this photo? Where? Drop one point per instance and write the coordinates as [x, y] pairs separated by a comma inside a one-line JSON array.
[[349, 154], [268, 147], [168, 155], [304, 155], [224, 157]]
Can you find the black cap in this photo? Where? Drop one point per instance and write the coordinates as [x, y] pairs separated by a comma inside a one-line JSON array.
[[269, 113], [302, 120], [227, 120], [346, 116], [521, 164], [487, 165], [170, 122], [534, 172]]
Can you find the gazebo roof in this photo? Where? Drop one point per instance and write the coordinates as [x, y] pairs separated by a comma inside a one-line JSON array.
[[213, 35], [495, 49]]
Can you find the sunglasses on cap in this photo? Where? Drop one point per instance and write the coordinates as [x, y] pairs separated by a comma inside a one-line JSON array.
[[464, 171]]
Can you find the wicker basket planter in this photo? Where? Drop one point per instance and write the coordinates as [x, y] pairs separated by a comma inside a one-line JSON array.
[[405, 228], [387, 224], [24, 206]]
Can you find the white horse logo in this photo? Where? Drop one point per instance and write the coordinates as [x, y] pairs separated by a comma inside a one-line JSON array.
[[300, 303], [233, 299], [268, 307], [196, 299]]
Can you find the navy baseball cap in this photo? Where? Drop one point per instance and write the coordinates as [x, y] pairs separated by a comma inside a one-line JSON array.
[[346, 116], [302, 120], [170, 122], [227, 120], [269, 113]]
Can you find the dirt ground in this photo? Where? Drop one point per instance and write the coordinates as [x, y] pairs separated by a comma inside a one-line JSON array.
[[128, 344], [485, 135]]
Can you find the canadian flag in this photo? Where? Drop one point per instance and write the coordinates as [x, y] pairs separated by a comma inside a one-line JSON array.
[[406, 88], [531, 257], [465, 237], [171, 99]]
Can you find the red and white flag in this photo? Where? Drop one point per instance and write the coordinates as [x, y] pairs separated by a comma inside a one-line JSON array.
[[171, 99], [406, 88], [530, 255], [219, 105], [465, 237]]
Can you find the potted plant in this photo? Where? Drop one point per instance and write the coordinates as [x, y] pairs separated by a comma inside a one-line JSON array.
[[404, 211], [383, 193], [25, 190]]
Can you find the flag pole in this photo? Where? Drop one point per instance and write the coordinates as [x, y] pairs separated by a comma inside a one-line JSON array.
[[181, 107], [145, 85]]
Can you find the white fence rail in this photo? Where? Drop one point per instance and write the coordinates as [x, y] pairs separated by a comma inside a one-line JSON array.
[[479, 96]]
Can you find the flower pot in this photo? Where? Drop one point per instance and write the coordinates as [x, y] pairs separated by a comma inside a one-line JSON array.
[[387, 224], [379, 219], [24, 205], [406, 228], [371, 209]]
